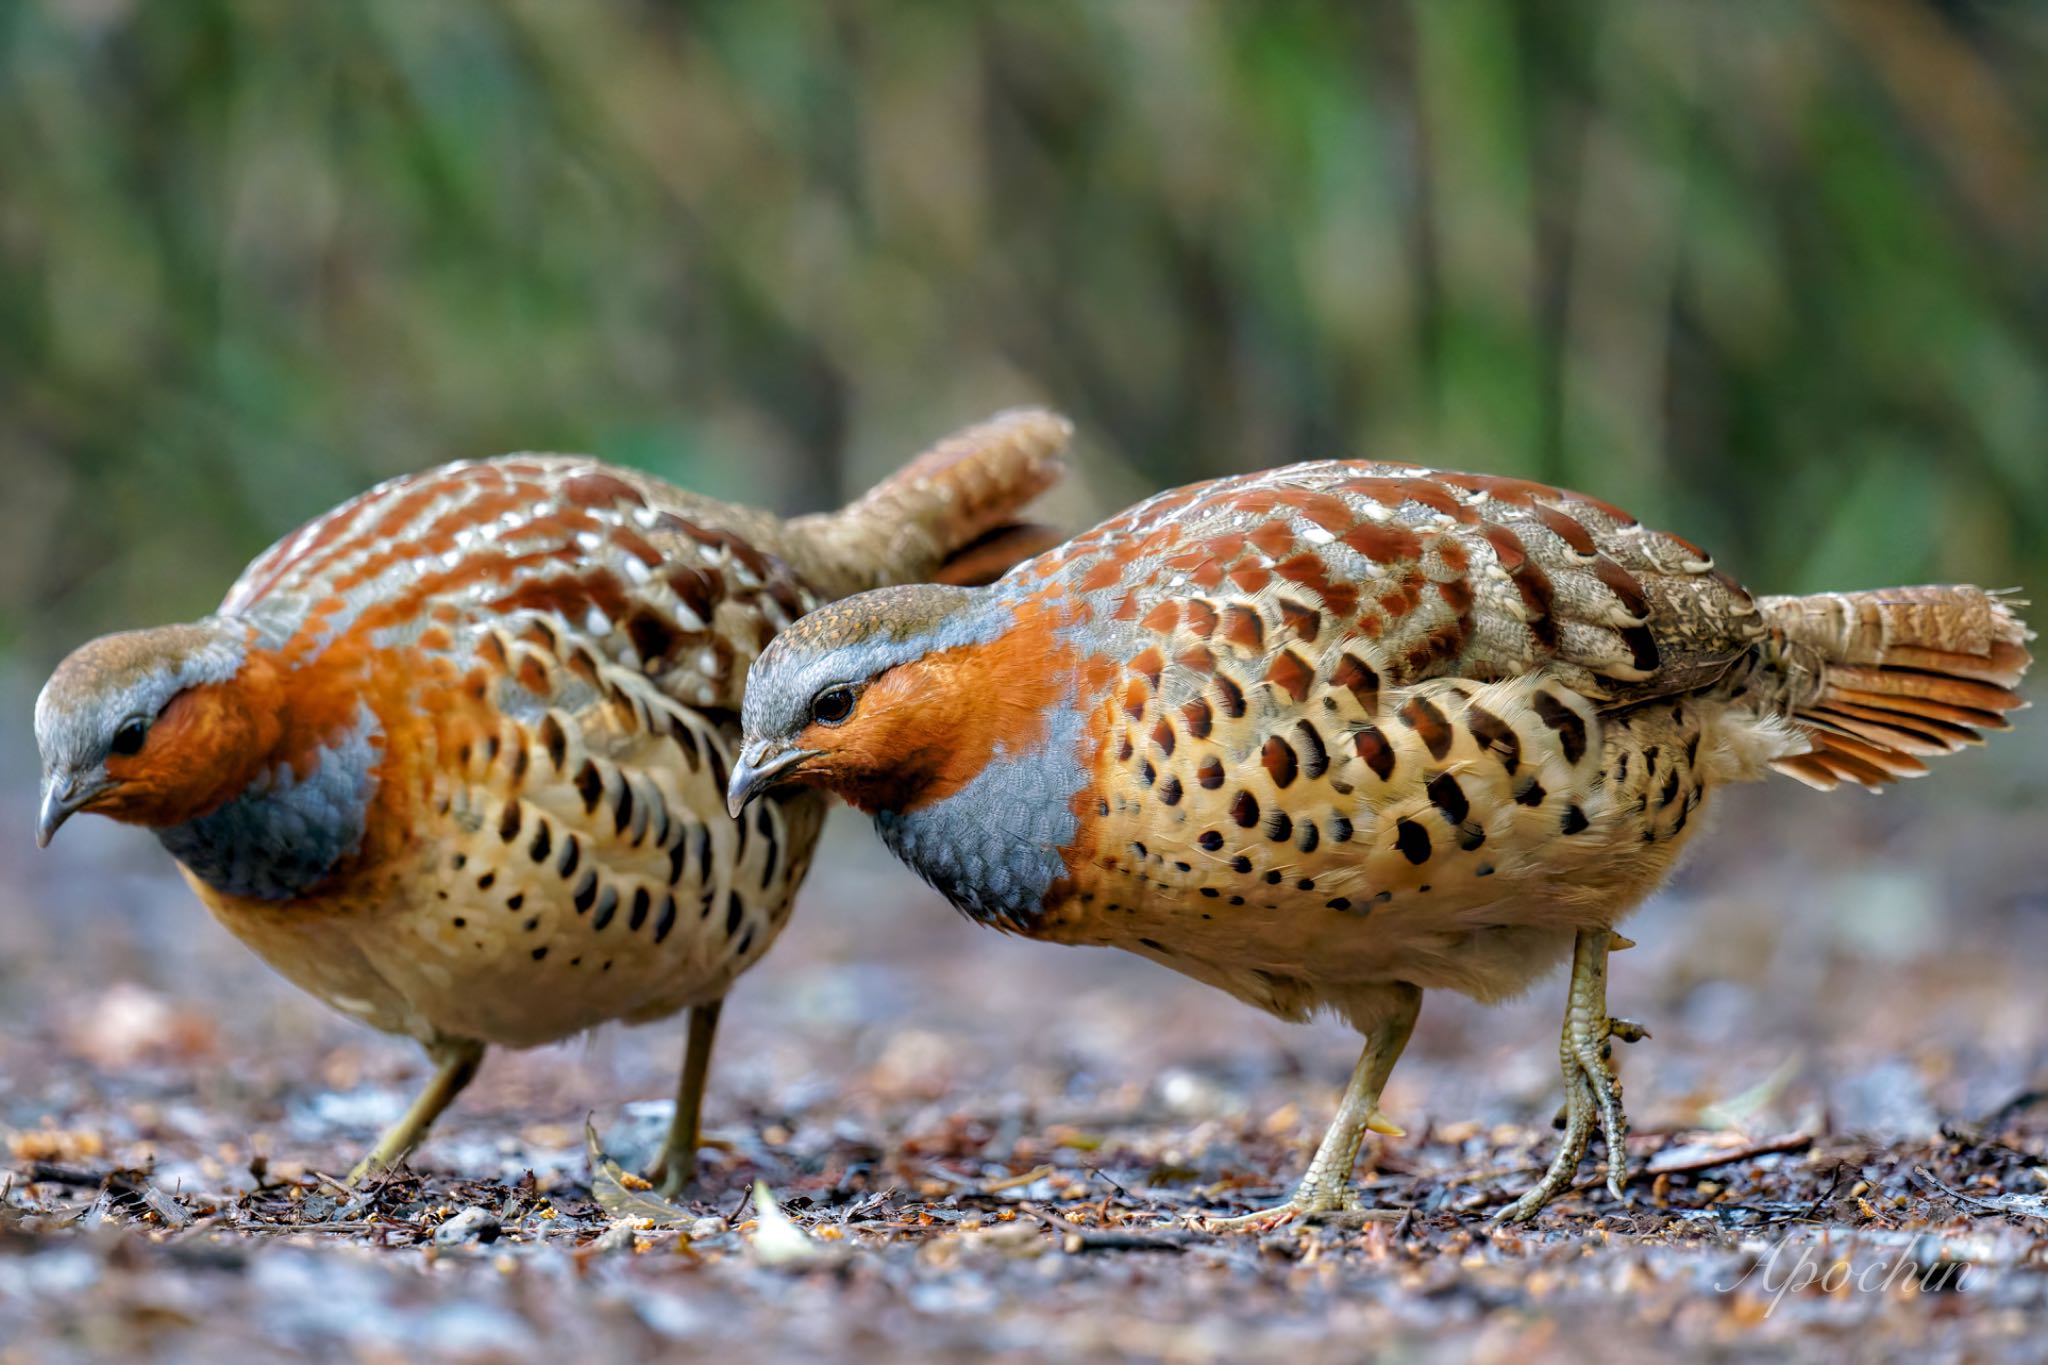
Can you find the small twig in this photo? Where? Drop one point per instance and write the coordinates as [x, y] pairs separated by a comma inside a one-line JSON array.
[[1925, 1179], [1109, 1180], [1079, 1240], [1813, 1209], [864, 1205], [1707, 1161], [1030, 1177], [1076, 1240], [2002, 1207]]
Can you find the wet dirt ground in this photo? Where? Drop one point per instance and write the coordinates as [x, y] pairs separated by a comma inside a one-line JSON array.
[[971, 1145]]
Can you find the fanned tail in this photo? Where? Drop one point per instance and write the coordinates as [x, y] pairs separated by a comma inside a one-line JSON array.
[[951, 514], [1882, 680]]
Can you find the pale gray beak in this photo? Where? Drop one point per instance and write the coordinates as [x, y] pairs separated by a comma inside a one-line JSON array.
[[62, 796], [759, 770]]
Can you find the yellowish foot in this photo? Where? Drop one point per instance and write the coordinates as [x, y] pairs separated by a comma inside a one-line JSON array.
[[1326, 1194], [669, 1184], [676, 1168], [1592, 1091], [456, 1061], [1347, 1212]]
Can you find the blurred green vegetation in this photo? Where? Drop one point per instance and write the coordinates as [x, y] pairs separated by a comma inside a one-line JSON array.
[[1772, 274]]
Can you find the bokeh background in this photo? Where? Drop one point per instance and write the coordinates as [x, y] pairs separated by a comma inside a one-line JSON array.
[[1773, 275]]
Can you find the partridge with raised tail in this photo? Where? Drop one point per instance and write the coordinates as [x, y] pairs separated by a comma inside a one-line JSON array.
[[1331, 736], [453, 757]]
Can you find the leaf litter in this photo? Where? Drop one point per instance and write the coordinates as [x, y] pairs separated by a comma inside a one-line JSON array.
[[930, 1141]]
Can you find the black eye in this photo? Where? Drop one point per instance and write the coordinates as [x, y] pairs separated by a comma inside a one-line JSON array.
[[833, 705], [128, 739]]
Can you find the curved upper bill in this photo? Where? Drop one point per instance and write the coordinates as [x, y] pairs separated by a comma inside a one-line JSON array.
[[62, 798], [760, 768]]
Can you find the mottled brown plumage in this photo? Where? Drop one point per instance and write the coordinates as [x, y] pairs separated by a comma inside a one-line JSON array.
[[453, 756], [1332, 735]]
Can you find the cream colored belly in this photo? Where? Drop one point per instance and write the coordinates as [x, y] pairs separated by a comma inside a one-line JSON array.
[[1490, 945], [1478, 889], [1489, 941], [525, 928], [317, 951]]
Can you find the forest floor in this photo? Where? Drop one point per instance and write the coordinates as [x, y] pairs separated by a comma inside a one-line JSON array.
[[975, 1145]]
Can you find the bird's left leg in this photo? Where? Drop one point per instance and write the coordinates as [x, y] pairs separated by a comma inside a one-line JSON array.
[[1592, 1091], [456, 1061], [676, 1167], [1326, 1191]]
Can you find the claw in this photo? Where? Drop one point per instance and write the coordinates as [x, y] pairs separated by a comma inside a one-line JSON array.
[[1326, 1191], [1261, 1223], [1592, 1090], [456, 1061], [1259, 1220], [1344, 1211]]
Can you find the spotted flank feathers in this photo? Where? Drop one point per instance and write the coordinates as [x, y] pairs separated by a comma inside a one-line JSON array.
[[496, 706], [1317, 730]]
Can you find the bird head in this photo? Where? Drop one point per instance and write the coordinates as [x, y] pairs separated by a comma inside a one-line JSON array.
[[144, 726], [855, 697]]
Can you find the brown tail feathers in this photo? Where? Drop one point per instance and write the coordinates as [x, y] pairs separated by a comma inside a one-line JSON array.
[[951, 513], [1884, 679], [988, 557]]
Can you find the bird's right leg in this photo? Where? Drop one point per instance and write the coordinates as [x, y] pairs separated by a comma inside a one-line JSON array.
[[1326, 1191], [1592, 1091], [456, 1061], [676, 1167]]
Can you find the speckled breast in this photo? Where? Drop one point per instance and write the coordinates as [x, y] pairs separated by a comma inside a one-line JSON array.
[[554, 652], [1364, 723]]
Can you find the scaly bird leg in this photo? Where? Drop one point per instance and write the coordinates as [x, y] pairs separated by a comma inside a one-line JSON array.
[[1326, 1192], [676, 1167], [1592, 1091], [456, 1061]]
